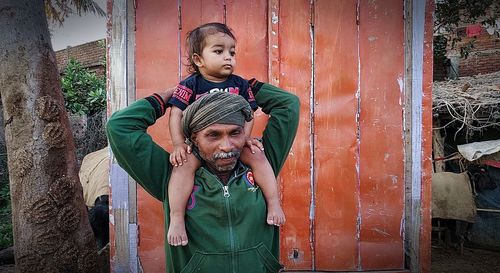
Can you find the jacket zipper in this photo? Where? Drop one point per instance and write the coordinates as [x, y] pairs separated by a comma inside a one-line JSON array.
[[226, 194], [226, 191]]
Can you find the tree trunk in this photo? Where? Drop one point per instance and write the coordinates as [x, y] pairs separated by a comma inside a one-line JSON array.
[[51, 229]]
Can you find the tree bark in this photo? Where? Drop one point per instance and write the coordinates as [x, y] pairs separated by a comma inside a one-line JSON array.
[[50, 222]]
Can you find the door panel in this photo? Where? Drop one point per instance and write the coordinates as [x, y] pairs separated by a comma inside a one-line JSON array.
[[251, 45], [294, 46], [426, 224], [381, 40], [194, 13], [156, 69], [251, 36], [345, 61], [336, 148]]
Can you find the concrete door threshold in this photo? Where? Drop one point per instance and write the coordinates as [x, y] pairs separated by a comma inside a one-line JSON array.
[[385, 271]]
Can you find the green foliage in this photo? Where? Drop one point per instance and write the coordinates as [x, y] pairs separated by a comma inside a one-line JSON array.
[[440, 43], [57, 10], [84, 92], [451, 14], [6, 238]]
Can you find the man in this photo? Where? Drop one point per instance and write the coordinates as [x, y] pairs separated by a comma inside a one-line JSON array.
[[94, 173], [226, 213]]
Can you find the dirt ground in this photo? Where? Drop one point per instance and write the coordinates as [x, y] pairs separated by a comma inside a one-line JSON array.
[[443, 261], [472, 261], [7, 266]]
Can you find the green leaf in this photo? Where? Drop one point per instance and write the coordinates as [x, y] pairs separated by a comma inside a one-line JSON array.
[[83, 91]]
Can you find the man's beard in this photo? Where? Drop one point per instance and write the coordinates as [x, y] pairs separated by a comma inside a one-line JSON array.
[[222, 155]]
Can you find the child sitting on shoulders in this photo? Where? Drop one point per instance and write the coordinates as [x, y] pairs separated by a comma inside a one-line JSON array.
[[211, 49]]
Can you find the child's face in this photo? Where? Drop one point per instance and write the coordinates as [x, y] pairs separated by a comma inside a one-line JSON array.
[[217, 60]]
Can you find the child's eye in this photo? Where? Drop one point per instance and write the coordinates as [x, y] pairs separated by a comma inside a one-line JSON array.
[[218, 51], [232, 53]]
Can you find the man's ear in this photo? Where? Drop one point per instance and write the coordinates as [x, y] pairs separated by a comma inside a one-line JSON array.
[[197, 60], [194, 140]]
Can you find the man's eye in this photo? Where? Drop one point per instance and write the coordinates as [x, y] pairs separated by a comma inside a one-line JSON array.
[[212, 135], [236, 133]]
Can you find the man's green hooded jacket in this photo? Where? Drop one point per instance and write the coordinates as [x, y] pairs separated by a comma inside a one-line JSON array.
[[226, 224]]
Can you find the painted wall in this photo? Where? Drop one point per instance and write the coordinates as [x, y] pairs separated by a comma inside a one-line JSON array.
[[343, 186]]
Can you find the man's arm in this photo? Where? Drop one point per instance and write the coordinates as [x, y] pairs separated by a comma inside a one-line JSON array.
[[283, 109], [134, 148]]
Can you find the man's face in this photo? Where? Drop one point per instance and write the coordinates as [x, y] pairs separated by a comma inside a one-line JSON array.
[[220, 145]]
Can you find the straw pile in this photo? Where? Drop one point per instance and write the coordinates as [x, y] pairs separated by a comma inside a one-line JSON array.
[[471, 103]]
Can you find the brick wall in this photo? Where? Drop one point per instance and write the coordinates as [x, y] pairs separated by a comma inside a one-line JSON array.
[[439, 68], [483, 58], [91, 55]]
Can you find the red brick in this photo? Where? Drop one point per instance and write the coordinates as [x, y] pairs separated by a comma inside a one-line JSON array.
[[91, 55]]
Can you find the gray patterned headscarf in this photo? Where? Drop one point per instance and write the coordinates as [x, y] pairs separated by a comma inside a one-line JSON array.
[[217, 107]]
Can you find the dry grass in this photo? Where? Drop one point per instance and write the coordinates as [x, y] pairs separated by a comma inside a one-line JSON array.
[[472, 102]]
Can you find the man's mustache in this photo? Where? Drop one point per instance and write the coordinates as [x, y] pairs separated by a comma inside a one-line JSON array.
[[223, 155]]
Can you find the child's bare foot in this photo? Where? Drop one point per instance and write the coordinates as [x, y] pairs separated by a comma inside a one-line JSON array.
[[176, 234], [275, 215]]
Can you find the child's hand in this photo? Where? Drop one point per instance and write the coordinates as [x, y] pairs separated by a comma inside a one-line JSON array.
[[178, 156], [253, 143]]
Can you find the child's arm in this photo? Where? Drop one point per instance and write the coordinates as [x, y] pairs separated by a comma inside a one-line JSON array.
[[248, 128], [178, 156], [251, 142]]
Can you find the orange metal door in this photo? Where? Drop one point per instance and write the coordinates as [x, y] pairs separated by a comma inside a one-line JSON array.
[[292, 25], [342, 186], [381, 40], [157, 66], [336, 152]]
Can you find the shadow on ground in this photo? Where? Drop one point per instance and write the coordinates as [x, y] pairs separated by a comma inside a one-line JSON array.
[[448, 260]]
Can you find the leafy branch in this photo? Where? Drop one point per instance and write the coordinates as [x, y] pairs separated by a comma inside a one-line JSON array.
[[58, 10], [84, 92], [451, 14]]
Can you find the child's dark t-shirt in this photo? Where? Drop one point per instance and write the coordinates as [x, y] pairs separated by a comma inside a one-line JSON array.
[[195, 86]]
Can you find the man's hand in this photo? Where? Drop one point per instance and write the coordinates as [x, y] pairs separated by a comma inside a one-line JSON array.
[[254, 143], [167, 94]]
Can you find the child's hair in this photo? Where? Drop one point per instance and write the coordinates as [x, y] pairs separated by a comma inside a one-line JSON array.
[[195, 41]]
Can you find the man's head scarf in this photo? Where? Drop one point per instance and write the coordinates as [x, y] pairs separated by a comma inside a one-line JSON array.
[[215, 108]]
